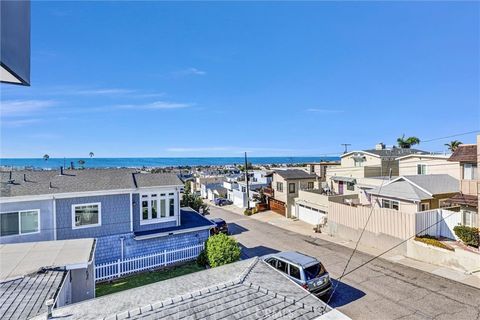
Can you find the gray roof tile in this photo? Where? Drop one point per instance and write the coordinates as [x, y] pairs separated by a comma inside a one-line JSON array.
[[47, 182], [295, 174]]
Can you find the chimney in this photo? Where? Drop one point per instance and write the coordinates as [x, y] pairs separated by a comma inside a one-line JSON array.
[[49, 303], [380, 146], [50, 186], [24, 177], [61, 170], [10, 177]]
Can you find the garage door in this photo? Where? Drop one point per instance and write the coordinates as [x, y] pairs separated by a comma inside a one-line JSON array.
[[311, 215], [277, 206]]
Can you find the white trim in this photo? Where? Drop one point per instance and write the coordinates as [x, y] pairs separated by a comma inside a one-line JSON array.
[[158, 220], [170, 233], [81, 194], [54, 218], [131, 212], [363, 152], [432, 156], [99, 204], [167, 197], [426, 168], [19, 212]]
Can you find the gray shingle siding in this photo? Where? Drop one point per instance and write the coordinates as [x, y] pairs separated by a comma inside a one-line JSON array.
[[46, 220], [115, 216]]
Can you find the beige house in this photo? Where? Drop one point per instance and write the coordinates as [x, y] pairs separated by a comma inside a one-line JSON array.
[[320, 168], [356, 165], [285, 187], [415, 193], [428, 164], [468, 199]]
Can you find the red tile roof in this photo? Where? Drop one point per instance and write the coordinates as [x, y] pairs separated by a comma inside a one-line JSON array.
[[465, 153]]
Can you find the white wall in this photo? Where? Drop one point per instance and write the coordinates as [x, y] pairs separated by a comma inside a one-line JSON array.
[[435, 165]]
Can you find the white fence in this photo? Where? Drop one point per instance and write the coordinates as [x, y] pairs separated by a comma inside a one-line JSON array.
[[437, 223], [116, 269]]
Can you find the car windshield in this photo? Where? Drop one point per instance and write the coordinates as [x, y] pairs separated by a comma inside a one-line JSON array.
[[315, 271]]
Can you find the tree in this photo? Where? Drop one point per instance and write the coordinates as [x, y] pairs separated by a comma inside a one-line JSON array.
[[192, 200], [222, 249], [91, 154], [453, 145], [408, 142], [46, 157]]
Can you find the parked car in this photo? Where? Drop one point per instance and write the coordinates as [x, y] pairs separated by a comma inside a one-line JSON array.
[[307, 271], [222, 202], [220, 226]]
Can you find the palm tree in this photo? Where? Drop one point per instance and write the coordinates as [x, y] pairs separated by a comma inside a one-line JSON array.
[[408, 142], [453, 145], [91, 154], [46, 157]]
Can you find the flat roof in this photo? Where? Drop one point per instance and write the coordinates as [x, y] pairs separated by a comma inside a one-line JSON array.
[[20, 259]]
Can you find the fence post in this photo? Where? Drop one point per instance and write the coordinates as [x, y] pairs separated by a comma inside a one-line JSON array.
[[165, 257], [118, 269]]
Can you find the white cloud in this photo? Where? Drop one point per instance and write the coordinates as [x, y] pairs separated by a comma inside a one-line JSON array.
[[157, 105], [324, 110], [189, 72], [18, 122], [22, 107]]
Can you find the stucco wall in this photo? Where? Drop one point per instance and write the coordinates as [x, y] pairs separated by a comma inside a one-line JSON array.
[[46, 220], [115, 216], [408, 166]]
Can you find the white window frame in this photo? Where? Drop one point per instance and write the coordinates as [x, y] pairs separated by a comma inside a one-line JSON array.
[[390, 204], [74, 206], [294, 187], [419, 165], [158, 198], [279, 184], [20, 233]]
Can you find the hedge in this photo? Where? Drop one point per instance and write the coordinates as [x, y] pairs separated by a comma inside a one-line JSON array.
[[222, 249], [469, 235]]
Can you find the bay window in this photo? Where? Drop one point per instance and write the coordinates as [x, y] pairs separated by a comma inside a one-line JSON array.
[[156, 207], [19, 223]]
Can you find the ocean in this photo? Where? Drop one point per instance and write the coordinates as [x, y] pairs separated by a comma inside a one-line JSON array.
[[52, 163]]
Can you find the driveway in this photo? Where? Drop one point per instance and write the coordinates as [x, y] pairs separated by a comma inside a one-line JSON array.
[[379, 290]]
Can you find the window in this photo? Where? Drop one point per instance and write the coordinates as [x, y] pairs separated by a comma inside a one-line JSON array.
[[244, 189], [157, 206], [314, 271], [444, 203], [86, 215], [291, 188], [358, 162], [424, 206], [282, 266], [272, 262], [19, 223], [350, 186], [280, 186], [470, 171], [390, 204], [310, 185], [295, 272], [421, 169]]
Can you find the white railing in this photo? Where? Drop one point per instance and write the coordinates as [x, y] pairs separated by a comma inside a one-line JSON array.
[[119, 268]]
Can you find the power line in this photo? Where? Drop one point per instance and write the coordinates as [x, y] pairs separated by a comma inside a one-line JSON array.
[[451, 136]]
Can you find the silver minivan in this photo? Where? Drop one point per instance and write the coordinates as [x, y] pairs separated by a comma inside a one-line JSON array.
[[307, 271]]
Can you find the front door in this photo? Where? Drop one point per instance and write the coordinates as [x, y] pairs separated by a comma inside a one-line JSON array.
[[340, 187]]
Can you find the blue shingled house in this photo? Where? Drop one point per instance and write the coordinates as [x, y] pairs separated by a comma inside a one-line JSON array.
[[130, 213]]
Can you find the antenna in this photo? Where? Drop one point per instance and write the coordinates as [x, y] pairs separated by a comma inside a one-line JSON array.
[[346, 146]]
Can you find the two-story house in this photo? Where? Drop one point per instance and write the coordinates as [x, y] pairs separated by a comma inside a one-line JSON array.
[[357, 165], [285, 187], [423, 164], [468, 198], [130, 213], [320, 168]]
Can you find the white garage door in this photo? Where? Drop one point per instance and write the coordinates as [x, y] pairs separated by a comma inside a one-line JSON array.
[[311, 215]]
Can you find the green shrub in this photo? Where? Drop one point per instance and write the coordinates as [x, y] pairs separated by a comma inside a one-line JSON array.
[[222, 249], [254, 210], [469, 235], [202, 259], [433, 242], [247, 212]]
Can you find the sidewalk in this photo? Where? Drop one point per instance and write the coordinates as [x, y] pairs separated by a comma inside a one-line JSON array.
[[306, 229]]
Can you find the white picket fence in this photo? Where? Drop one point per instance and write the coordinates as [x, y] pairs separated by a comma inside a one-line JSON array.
[[437, 223], [119, 268]]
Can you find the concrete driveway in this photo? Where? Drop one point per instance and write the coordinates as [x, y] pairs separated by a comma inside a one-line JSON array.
[[379, 290]]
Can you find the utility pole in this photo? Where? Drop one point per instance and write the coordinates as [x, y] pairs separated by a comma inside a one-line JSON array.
[[345, 145], [246, 179]]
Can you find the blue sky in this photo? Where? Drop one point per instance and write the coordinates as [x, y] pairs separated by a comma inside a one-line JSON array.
[[127, 79]]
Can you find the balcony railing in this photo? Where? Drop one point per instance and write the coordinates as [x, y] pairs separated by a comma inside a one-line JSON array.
[[268, 191]]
